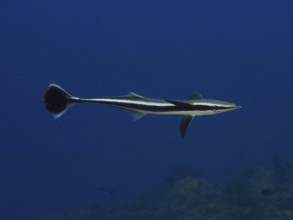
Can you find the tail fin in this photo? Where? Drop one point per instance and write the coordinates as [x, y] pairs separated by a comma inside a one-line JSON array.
[[57, 100]]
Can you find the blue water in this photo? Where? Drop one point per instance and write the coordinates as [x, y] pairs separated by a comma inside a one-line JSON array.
[[236, 51]]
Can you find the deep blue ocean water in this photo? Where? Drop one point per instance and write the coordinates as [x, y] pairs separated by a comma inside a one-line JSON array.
[[237, 51]]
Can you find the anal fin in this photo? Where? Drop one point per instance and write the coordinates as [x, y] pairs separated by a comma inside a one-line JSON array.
[[184, 125], [135, 114]]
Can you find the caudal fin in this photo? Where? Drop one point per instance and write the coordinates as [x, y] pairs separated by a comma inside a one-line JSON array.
[[57, 100]]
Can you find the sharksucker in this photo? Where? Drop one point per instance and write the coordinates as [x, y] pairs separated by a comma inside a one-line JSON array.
[[58, 101]]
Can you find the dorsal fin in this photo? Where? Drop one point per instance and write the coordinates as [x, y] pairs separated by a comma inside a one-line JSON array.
[[195, 96], [132, 94], [135, 96]]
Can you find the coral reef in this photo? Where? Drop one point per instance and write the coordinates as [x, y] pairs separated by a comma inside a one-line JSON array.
[[257, 193]]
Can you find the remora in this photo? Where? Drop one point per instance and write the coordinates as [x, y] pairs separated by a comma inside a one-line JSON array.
[[57, 101]]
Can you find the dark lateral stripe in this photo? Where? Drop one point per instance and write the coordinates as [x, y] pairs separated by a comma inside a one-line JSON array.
[[155, 108]]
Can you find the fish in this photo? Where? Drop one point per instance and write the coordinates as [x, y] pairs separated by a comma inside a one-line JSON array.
[[57, 101]]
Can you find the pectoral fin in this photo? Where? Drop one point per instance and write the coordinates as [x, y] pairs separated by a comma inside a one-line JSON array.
[[184, 125], [195, 96]]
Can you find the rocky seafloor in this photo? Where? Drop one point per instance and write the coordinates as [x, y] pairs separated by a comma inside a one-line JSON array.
[[255, 194]]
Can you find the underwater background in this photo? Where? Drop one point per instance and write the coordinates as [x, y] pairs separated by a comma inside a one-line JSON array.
[[94, 162]]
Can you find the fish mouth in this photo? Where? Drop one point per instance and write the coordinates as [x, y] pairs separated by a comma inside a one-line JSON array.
[[235, 107]]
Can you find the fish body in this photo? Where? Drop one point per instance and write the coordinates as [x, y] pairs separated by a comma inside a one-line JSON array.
[[57, 101]]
